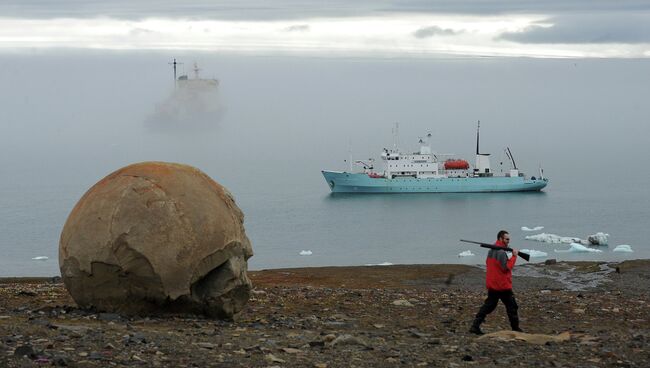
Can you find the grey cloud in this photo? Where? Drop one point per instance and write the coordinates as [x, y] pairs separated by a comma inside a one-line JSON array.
[[587, 28], [431, 31], [300, 9], [140, 31], [298, 28]]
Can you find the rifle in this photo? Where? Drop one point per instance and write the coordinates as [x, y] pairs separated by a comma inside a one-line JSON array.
[[525, 256]]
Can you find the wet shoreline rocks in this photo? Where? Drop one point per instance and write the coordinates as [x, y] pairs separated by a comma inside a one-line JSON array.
[[400, 315]]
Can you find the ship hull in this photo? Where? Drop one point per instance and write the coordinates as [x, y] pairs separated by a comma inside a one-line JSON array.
[[342, 182]]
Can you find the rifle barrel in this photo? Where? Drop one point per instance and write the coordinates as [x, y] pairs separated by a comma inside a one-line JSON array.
[[525, 256]]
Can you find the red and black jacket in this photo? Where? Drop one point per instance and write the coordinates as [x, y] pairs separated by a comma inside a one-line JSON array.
[[499, 269]]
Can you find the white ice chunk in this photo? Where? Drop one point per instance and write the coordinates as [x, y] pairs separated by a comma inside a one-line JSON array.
[[623, 248], [379, 264], [598, 239], [41, 258], [306, 253], [579, 248], [536, 228], [467, 253], [535, 253], [552, 238]]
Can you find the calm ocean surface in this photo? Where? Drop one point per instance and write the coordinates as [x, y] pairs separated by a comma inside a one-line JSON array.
[[71, 121]]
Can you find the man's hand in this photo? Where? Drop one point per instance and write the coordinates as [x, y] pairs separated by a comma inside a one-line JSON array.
[[515, 252]]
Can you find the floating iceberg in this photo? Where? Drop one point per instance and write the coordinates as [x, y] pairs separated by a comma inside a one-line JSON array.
[[467, 253], [40, 258], [535, 253], [598, 239], [536, 228], [306, 253], [379, 264], [595, 239], [579, 248], [623, 248], [552, 238]]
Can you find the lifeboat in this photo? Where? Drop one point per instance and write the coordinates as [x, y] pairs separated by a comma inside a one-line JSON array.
[[456, 165], [375, 175]]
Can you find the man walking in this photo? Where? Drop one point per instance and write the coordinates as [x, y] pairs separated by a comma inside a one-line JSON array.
[[498, 280]]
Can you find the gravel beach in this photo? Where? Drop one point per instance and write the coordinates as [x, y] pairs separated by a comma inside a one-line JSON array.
[[582, 314]]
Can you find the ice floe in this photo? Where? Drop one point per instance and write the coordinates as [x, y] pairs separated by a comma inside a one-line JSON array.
[[598, 239], [535, 253], [467, 253], [594, 239], [578, 248], [536, 228], [623, 248], [306, 253], [552, 238], [379, 264], [40, 258]]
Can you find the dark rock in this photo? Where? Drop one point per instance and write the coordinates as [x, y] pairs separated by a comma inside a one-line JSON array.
[[25, 350], [61, 361], [109, 317], [551, 261], [137, 338], [40, 322], [467, 358], [95, 356]]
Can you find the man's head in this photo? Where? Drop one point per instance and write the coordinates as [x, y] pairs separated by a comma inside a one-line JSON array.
[[504, 236]]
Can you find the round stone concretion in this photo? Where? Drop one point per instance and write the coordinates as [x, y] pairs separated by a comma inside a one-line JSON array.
[[157, 237]]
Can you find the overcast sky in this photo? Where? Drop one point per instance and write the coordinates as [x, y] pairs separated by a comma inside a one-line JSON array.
[[595, 28]]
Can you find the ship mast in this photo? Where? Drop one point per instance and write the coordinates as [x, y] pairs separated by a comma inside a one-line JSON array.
[[196, 71], [396, 137], [477, 131], [174, 64]]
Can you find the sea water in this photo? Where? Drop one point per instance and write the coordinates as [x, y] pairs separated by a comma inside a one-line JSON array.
[[285, 119]]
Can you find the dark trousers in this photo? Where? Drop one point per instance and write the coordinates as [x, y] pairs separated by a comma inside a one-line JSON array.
[[490, 304]]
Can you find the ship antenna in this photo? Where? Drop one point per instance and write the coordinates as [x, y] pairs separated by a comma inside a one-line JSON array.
[[196, 71], [350, 154], [174, 64], [512, 158], [396, 137], [477, 131]]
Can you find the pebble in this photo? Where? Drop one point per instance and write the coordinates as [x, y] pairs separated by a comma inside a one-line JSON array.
[[291, 350], [270, 358], [348, 340], [402, 303]]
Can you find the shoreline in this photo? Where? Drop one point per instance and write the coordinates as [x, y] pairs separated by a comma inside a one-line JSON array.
[[442, 266], [363, 316]]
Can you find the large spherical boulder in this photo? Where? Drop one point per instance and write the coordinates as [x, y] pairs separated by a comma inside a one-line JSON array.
[[157, 237]]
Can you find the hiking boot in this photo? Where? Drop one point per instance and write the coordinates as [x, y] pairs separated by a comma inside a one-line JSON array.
[[517, 329], [476, 330]]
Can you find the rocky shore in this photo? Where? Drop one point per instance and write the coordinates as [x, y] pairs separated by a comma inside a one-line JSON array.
[[574, 315]]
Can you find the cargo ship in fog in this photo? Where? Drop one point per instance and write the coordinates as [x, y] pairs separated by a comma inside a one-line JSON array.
[[427, 172], [193, 103]]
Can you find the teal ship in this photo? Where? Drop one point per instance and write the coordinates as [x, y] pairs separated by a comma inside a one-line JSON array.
[[427, 172]]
